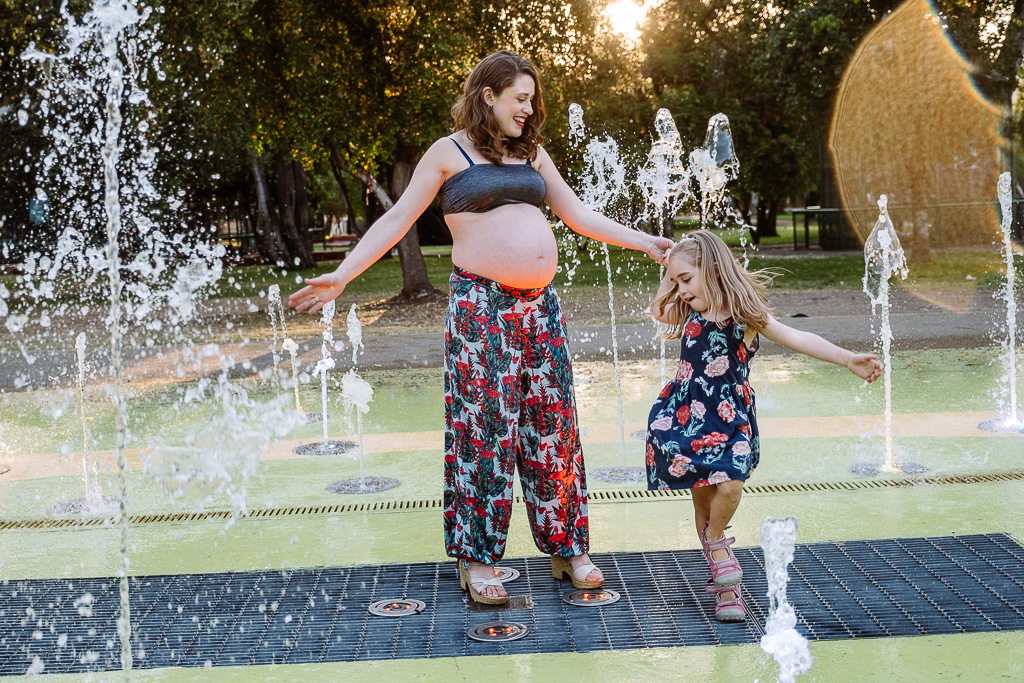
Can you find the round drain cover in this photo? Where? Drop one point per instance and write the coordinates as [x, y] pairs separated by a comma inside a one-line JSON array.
[[365, 485], [591, 597], [329, 448], [1002, 426], [498, 631], [397, 608], [874, 469], [506, 574]]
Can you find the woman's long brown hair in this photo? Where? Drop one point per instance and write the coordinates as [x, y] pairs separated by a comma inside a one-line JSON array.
[[498, 71]]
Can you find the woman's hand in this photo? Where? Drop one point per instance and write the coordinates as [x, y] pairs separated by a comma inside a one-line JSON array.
[[317, 292], [659, 249], [865, 365]]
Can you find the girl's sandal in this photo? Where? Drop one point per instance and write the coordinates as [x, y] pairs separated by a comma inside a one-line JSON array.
[[727, 611], [560, 566], [474, 586], [727, 571]]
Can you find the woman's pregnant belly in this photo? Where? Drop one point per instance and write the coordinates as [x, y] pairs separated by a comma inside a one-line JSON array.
[[512, 244]]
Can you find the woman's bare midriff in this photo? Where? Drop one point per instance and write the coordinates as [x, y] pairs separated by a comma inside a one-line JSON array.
[[512, 244]]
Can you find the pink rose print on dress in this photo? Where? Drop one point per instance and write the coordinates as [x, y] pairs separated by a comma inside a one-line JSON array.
[[662, 424], [683, 415], [685, 372], [726, 411], [698, 409], [717, 367], [692, 329], [679, 466], [718, 478], [741, 448]]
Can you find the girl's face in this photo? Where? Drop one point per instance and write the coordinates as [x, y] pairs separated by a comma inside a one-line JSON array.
[[513, 105], [688, 281]]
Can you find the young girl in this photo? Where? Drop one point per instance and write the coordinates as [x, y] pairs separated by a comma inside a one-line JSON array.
[[702, 432]]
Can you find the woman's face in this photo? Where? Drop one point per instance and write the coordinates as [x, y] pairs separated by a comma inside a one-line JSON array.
[[513, 105], [688, 281]]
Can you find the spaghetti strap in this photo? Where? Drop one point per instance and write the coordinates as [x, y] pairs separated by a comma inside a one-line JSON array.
[[528, 163], [463, 152]]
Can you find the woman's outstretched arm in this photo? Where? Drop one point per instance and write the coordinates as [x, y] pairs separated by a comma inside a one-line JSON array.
[[567, 206], [383, 234], [864, 365]]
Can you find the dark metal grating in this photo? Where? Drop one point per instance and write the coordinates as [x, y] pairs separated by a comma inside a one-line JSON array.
[[857, 589], [606, 495]]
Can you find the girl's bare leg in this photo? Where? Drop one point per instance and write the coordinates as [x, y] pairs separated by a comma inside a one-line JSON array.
[[723, 503], [702, 498]]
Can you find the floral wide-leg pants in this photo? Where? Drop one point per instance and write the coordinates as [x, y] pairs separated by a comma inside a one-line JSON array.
[[509, 404]]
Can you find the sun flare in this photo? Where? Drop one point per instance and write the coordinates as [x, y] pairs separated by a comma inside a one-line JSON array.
[[625, 17]]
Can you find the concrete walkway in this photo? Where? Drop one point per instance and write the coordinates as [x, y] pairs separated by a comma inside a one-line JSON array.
[[919, 320]]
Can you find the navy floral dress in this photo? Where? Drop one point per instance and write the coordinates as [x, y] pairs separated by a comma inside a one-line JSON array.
[[702, 429]]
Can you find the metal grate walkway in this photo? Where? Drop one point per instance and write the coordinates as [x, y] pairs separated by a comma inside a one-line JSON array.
[[856, 589]]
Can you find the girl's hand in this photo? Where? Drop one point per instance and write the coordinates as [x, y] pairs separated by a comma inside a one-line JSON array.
[[865, 365], [659, 249], [317, 292]]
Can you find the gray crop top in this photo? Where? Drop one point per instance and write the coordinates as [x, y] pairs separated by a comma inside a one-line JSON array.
[[483, 187]]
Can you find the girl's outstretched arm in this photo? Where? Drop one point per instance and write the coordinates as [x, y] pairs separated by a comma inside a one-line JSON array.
[[567, 206], [384, 233], [864, 365]]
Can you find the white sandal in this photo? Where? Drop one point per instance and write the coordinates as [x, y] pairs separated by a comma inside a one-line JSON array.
[[560, 566], [475, 586]]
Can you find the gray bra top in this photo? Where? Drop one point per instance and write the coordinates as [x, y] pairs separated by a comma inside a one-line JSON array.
[[483, 187]]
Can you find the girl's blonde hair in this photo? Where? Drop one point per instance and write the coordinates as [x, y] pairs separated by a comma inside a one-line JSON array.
[[727, 286]]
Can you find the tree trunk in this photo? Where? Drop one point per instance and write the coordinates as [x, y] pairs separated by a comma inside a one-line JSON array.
[[349, 209], [268, 224], [767, 213], [289, 196], [415, 283], [414, 268]]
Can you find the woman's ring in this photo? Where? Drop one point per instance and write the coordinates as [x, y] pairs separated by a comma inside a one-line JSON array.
[[316, 300]]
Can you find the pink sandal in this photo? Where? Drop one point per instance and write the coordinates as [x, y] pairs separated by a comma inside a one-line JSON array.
[[727, 611], [725, 572]]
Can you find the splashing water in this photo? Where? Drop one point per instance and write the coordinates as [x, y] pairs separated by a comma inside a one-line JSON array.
[[603, 179], [222, 456], [781, 639], [273, 304], [665, 183], [355, 332], [357, 394], [326, 361], [1010, 345], [90, 471], [292, 348], [884, 258]]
